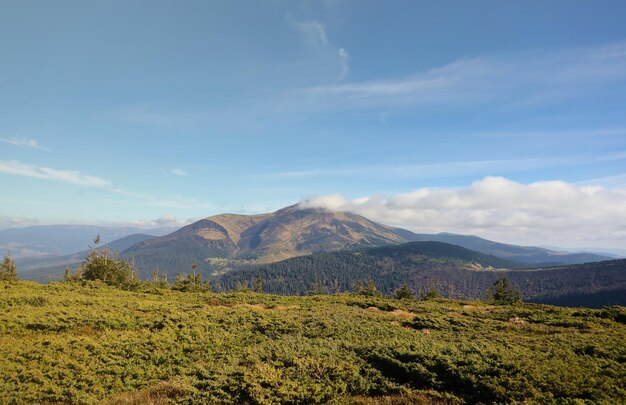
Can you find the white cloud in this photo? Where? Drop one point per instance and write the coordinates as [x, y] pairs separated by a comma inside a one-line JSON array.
[[68, 176], [178, 172], [545, 212], [22, 142], [165, 221]]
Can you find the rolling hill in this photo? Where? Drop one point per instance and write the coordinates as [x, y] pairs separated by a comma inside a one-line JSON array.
[[529, 255], [454, 271]]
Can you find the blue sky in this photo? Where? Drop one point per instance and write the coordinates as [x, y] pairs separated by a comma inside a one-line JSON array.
[[116, 111]]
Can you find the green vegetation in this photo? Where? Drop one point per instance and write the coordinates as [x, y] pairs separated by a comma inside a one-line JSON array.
[[88, 342], [8, 272]]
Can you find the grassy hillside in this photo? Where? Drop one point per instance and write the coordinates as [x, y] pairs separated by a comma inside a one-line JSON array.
[[90, 343]]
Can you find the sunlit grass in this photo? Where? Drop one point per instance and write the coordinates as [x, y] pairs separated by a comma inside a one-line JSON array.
[[85, 343]]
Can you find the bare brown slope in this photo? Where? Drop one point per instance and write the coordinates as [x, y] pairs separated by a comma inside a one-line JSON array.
[[264, 238], [292, 231]]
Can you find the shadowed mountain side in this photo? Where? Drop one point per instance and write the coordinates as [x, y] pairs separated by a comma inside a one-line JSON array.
[[454, 271]]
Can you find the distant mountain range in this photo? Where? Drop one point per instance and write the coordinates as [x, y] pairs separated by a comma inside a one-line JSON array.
[[117, 246], [59, 240]]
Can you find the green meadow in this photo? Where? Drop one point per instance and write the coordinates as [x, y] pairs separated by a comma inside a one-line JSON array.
[[89, 343]]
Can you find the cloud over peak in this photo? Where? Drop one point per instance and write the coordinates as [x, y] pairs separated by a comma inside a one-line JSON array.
[[544, 212]]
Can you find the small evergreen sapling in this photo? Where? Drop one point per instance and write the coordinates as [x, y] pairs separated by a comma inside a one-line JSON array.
[[503, 293], [404, 292], [8, 271]]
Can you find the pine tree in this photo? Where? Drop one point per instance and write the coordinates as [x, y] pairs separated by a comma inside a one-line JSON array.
[[404, 292], [368, 289], [431, 294], [99, 264], [316, 289], [258, 284], [503, 293], [8, 271]]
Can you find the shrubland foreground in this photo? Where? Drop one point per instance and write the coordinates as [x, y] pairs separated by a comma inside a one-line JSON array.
[[87, 343]]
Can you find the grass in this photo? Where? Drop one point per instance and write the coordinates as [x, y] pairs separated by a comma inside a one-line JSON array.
[[89, 343]]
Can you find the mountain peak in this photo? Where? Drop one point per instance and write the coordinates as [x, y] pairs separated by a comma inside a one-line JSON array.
[[288, 232]]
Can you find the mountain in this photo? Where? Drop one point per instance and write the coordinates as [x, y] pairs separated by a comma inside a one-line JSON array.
[[455, 271], [530, 255], [45, 268], [265, 238], [60, 240]]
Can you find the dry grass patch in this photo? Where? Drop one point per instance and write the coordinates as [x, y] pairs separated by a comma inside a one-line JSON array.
[[165, 392], [403, 314]]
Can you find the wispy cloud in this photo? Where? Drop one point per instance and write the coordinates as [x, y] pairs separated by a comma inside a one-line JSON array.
[[23, 142], [545, 212], [516, 80], [447, 169], [68, 176], [315, 35], [77, 178], [514, 77]]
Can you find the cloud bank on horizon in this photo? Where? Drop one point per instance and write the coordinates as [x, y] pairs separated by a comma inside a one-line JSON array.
[[544, 212]]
